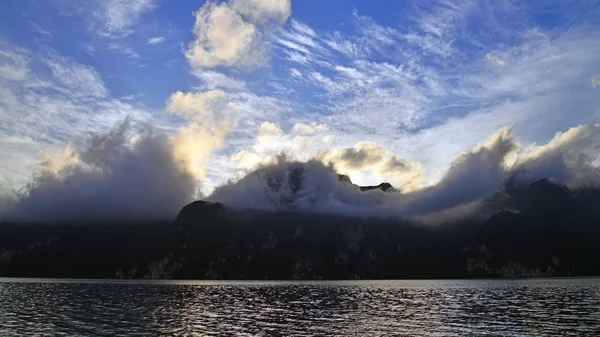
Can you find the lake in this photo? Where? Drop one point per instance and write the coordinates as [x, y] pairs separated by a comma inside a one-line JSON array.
[[533, 307]]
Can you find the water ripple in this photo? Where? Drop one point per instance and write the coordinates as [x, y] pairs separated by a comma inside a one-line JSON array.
[[545, 307]]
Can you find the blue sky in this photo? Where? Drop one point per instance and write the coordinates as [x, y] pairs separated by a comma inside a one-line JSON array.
[[421, 81]]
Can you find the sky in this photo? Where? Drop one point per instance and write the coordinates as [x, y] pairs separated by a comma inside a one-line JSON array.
[[384, 90]]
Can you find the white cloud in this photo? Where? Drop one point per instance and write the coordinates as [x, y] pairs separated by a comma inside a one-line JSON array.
[[79, 79], [58, 102], [568, 158], [429, 108], [301, 142], [296, 73], [89, 49], [473, 176], [301, 39], [232, 33], [494, 60], [211, 117], [595, 81], [224, 38], [213, 80], [378, 36], [422, 89], [13, 66], [40, 30], [117, 17], [351, 49], [438, 23], [121, 49], [198, 106], [156, 40], [309, 128], [372, 159], [263, 11]]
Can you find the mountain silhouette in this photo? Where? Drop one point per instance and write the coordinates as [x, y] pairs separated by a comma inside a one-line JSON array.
[[544, 229]]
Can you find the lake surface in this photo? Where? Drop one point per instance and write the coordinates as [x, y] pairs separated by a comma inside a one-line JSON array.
[[539, 307]]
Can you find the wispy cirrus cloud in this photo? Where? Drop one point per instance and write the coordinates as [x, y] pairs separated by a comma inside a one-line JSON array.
[[406, 87], [59, 101], [116, 18], [213, 79], [156, 40], [418, 89], [123, 49]]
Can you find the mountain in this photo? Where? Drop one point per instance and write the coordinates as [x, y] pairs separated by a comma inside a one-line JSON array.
[[386, 187], [544, 229]]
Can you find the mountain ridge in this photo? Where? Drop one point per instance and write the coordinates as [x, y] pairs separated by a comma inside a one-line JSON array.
[[543, 230]]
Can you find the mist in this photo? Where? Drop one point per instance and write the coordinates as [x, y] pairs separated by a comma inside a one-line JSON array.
[[136, 172], [464, 190]]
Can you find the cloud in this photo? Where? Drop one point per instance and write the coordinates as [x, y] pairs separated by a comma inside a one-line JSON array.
[[296, 73], [210, 118], [301, 40], [117, 17], [435, 86], [313, 186], [472, 176], [373, 159], [216, 80], [299, 142], [131, 172], [567, 159], [198, 105], [127, 174], [348, 47], [421, 90], [79, 79], [284, 185], [121, 49], [263, 11], [47, 99], [13, 66], [494, 60], [309, 128], [156, 40], [232, 33], [194, 143], [595, 81]]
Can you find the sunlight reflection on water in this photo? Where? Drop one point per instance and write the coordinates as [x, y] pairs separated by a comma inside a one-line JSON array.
[[362, 308]]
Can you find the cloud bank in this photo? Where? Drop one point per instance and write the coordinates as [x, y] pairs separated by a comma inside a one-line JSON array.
[[135, 172], [474, 175], [128, 174]]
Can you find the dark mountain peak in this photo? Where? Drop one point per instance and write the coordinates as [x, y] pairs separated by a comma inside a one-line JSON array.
[[501, 227], [344, 179], [383, 186], [546, 190], [547, 199], [199, 210]]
